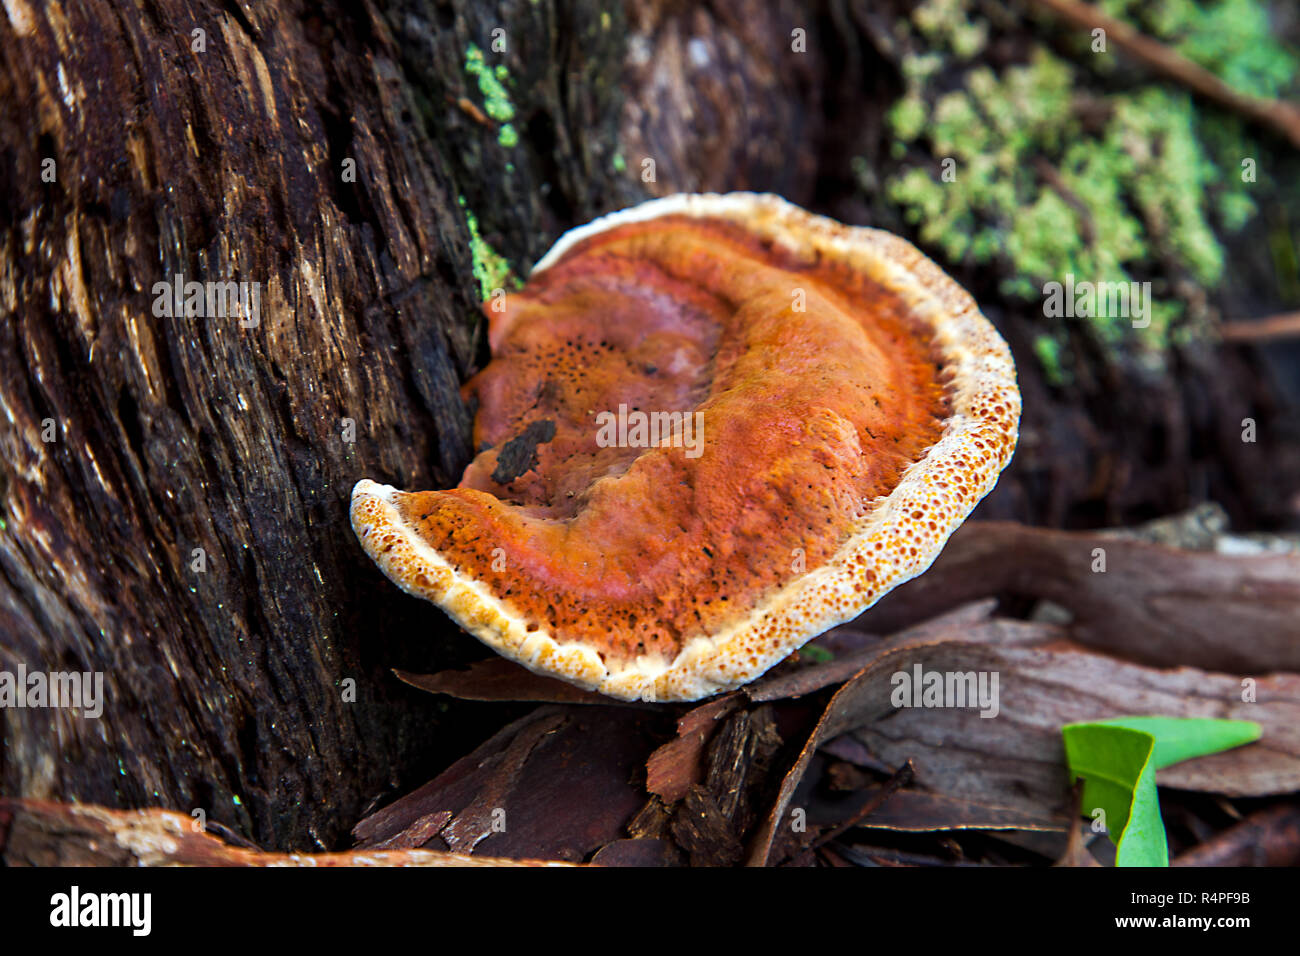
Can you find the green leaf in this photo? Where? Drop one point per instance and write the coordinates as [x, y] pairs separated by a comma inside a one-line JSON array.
[[1120, 779], [1179, 738], [1118, 759]]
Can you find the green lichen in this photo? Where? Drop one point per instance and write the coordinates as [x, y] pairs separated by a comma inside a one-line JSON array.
[[490, 269], [1039, 187], [496, 100]]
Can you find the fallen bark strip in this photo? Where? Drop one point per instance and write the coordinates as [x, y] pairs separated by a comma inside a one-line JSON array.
[[44, 833], [1152, 604], [558, 783]]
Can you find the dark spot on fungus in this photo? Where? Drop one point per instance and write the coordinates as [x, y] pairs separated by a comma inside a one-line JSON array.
[[520, 453]]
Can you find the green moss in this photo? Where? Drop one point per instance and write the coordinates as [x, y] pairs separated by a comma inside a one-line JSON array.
[[1233, 39], [496, 101], [944, 21], [1040, 194], [1169, 184], [1048, 350], [907, 118], [490, 269]]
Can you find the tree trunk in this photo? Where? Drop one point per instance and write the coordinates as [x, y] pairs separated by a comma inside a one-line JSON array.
[[175, 489]]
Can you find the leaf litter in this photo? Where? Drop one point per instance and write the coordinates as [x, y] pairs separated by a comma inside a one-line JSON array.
[[813, 764]]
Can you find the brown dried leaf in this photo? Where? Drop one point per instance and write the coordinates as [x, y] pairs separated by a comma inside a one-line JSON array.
[[1270, 837], [915, 811], [556, 784], [497, 679], [418, 833], [639, 852]]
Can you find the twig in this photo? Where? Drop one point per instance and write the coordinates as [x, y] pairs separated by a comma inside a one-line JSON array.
[[1279, 326], [1076, 851], [1282, 117], [901, 778]]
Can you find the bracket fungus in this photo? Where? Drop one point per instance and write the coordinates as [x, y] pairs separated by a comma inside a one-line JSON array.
[[713, 427]]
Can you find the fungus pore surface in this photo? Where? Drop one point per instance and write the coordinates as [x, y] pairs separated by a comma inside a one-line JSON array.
[[712, 427]]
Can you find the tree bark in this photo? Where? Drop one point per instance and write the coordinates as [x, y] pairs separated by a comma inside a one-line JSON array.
[[225, 668]]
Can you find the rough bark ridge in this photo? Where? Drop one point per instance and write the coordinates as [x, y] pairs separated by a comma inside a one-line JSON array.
[[224, 686]]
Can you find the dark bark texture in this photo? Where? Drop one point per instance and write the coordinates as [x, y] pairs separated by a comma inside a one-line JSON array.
[[225, 668]]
